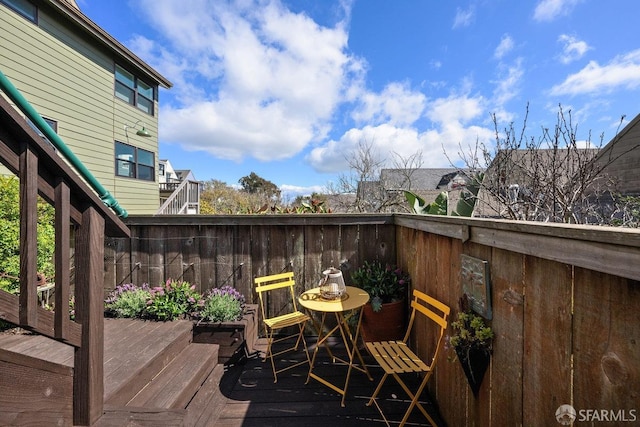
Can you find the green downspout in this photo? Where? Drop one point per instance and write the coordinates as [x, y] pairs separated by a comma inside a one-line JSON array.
[[37, 120]]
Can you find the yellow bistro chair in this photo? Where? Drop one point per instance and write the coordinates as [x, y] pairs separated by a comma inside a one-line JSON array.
[[282, 286], [396, 358]]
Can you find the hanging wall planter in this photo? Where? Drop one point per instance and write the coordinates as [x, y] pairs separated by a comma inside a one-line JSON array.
[[474, 362], [472, 340]]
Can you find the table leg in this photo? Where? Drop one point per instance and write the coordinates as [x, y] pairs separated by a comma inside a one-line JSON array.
[[351, 345]]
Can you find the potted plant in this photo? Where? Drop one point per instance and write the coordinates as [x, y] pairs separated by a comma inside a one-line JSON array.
[[383, 318], [472, 340]]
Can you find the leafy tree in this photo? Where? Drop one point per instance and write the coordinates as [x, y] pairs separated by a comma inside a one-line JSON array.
[[255, 184], [217, 197], [10, 235]]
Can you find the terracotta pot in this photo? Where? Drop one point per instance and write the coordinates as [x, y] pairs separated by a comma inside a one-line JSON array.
[[388, 324]]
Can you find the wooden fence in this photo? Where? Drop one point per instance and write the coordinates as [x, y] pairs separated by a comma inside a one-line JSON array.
[[566, 299], [212, 251]]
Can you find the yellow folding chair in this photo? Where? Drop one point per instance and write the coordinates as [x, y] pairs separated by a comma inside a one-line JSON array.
[[396, 358], [284, 286]]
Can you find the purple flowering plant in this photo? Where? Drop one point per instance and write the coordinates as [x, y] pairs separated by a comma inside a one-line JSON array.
[[224, 304], [384, 283], [127, 300], [174, 300]]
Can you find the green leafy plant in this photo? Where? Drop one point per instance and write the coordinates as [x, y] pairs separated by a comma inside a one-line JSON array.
[[173, 300], [440, 206], [470, 332], [418, 205], [223, 304], [128, 300], [10, 235], [383, 283]]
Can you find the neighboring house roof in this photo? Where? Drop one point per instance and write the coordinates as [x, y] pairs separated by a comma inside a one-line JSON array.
[[70, 10], [183, 174], [419, 179], [622, 154]]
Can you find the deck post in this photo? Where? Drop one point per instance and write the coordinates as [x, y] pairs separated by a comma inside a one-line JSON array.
[[88, 381], [28, 237]]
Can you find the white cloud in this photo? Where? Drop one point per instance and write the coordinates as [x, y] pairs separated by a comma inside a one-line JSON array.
[[396, 104], [623, 72], [573, 48], [507, 87], [505, 46], [463, 18], [548, 10], [450, 118], [251, 77], [290, 192]]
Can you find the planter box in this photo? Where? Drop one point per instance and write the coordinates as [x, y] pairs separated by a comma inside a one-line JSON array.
[[236, 339]]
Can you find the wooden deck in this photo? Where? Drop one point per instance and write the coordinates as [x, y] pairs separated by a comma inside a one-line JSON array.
[[155, 376], [251, 398]]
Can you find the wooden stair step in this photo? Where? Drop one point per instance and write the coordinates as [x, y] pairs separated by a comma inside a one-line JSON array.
[[118, 416], [208, 403], [178, 382], [130, 365]]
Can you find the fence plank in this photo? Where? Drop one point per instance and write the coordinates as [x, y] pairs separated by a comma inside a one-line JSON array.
[[480, 406], [315, 240], [206, 256], [606, 328], [349, 241], [508, 324], [174, 267], [223, 254], [547, 340], [243, 262]]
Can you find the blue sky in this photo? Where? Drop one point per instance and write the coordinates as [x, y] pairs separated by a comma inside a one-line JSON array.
[[289, 88]]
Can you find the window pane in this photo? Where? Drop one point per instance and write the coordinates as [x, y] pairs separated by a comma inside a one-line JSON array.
[[145, 90], [52, 124], [125, 93], [145, 157], [124, 168], [145, 105], [23, 7], [146, 173], [124, 151], [125, 77]]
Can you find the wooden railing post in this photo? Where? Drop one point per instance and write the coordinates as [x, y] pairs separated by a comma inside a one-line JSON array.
[[62, 259], [28, 237], [88, 388]]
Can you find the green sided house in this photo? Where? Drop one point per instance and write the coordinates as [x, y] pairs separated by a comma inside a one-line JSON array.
[[98, 96]]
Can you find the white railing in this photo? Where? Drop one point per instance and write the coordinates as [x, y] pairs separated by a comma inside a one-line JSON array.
[[184, 200]]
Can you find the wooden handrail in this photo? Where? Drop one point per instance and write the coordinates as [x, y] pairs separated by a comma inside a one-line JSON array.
[[80, 211]]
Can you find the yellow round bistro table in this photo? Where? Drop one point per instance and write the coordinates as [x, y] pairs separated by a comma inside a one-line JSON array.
[[344, 309]]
